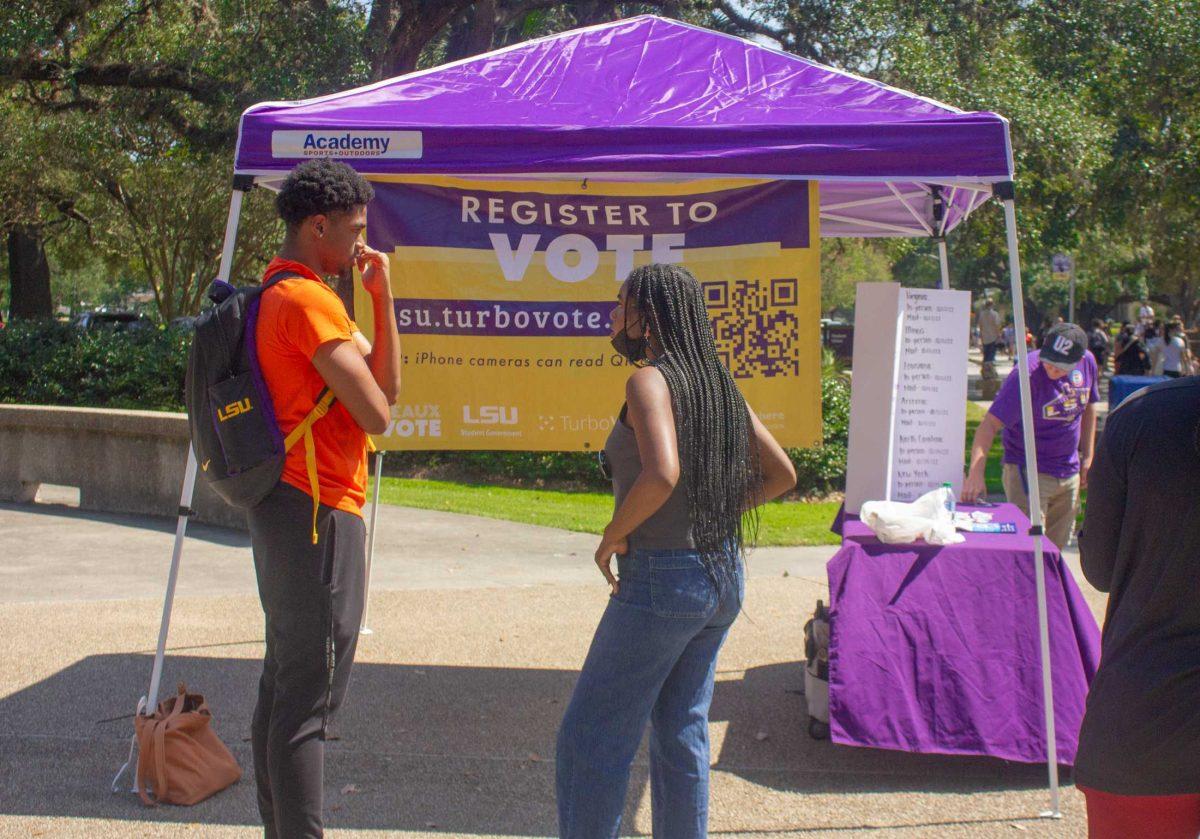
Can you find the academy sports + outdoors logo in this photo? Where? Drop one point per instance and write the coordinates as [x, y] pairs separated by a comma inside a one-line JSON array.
[[396, 145]]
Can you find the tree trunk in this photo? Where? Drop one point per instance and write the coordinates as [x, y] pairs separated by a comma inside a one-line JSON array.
[[592, 12], [28, 273], [418, 23], [1187, 303], [476, 33]]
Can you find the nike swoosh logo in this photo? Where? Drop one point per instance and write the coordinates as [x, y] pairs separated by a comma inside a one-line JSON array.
[[204, 465]]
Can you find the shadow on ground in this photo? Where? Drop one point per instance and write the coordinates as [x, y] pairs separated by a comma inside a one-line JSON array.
[[163, 524], [460, 750]]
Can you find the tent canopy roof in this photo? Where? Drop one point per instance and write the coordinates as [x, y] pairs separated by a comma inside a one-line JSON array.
[[654, 97]]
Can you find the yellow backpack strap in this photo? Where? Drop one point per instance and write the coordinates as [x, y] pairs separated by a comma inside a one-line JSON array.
[[304, 430]]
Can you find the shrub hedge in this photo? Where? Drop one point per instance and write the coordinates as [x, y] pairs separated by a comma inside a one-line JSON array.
[[49, 363]]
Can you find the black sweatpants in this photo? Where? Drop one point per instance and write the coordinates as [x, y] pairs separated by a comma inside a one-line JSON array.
[[313, 599]]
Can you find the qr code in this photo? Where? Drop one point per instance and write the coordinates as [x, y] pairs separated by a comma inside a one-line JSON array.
[[755, 324]]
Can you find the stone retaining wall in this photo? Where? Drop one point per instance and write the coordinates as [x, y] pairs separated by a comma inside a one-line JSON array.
[[121, 461]]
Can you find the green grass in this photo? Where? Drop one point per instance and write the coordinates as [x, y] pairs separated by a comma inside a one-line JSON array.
[[994, 465], [782, 523]]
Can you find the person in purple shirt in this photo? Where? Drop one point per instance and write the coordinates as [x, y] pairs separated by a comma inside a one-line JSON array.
[[1062, 383]]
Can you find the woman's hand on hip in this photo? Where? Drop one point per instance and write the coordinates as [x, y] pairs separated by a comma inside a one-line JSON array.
[[610, 545]]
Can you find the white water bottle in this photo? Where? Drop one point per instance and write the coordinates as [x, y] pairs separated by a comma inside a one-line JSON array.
[[949, 497]]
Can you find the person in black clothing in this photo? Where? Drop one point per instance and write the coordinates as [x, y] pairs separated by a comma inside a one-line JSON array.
[[1122, 337], [1040, 337], [1098, 343], [1139, 748], [1132, 359]]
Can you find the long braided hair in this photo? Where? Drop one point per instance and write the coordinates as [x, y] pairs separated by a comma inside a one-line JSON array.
[[718, 459]]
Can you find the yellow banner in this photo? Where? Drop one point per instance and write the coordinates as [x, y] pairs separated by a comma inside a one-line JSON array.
[[503, 292]]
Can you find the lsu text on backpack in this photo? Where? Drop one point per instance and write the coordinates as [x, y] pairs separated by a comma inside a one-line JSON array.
[[237, 440]]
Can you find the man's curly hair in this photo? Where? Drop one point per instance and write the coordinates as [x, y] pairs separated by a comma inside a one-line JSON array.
[[320, 187]]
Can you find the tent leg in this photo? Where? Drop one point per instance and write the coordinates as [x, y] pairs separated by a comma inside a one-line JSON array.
[[944, 262], [185, 503], [1035, 509], [365, 629], [149, 702], [231, 228]]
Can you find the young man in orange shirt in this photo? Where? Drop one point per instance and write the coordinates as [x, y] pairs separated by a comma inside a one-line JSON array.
[[308, 534]]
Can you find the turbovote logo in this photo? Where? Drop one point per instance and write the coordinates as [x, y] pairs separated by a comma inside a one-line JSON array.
[[343, 144]]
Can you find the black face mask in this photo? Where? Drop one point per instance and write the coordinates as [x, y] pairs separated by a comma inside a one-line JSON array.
[[633, 349]]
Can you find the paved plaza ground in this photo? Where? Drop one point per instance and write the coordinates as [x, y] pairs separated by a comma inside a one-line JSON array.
[[479, 629]]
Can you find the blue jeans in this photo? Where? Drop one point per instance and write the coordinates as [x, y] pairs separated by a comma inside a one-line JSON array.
[[653, 658]]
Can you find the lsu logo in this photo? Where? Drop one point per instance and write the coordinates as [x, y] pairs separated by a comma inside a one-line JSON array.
[[234, 409], [1066, 407], [490, 415]]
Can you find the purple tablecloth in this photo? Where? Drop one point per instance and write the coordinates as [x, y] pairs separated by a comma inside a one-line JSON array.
[[935, 649]]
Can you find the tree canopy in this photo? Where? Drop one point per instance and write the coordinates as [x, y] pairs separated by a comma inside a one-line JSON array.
[[118, 119]]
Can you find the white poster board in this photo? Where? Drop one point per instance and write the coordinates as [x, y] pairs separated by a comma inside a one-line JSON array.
[[908, 399]]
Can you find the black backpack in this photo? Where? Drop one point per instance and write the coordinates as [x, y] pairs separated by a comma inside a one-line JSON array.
[[238, 442]]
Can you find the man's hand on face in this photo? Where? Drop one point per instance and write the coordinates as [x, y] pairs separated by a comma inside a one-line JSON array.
[[375, 270]]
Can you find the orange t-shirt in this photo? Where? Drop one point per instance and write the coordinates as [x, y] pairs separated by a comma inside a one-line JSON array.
[[296, 316]]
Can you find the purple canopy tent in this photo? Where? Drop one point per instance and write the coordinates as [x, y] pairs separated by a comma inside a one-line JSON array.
[[656, 99], [650, 96]]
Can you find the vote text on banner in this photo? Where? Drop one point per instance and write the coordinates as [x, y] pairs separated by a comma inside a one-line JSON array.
[[503, 291]]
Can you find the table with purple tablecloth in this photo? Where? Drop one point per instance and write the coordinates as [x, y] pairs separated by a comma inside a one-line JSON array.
[[935, 649]]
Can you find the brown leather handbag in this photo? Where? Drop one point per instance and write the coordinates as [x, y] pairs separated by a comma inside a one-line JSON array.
[[180, 758]]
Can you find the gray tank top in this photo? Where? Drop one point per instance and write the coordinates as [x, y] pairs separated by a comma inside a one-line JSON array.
[[670, 527]]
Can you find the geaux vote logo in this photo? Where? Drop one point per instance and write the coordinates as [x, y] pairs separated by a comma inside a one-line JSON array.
[[234, 409]]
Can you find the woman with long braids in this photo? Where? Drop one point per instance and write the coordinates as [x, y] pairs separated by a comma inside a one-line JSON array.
[[689, 462]]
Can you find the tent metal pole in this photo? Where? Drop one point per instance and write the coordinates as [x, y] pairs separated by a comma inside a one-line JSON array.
[[1032, 491], [365, 629], [148, 703], [189, 473], [231, 227], [185, 504], [939, 233]]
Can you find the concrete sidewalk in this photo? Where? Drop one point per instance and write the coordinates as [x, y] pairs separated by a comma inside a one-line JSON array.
[[479, 630], [67, 554]]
